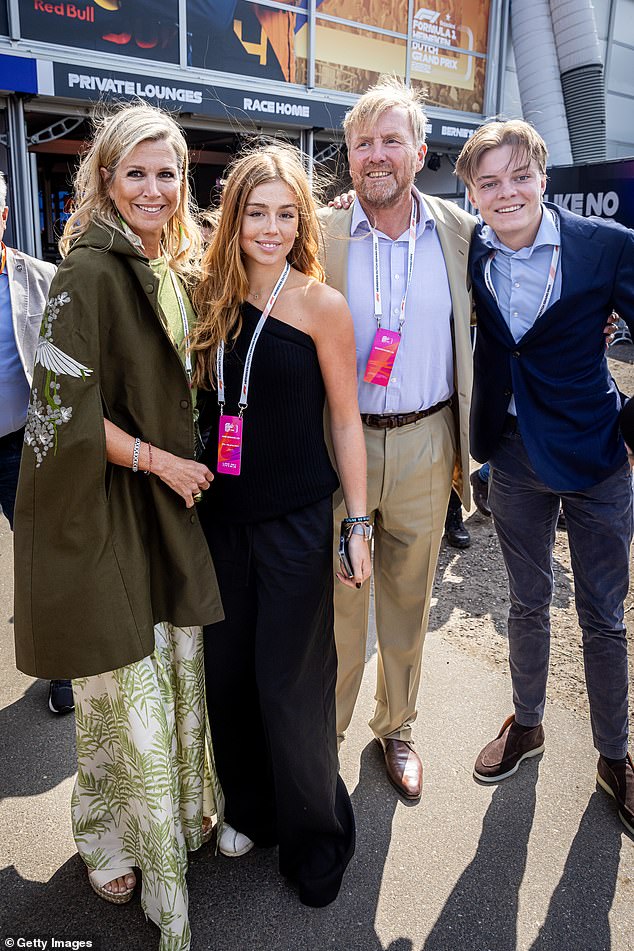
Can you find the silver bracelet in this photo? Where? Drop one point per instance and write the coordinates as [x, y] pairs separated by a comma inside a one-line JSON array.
[[135, 454]]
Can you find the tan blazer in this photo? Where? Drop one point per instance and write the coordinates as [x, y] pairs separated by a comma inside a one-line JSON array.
[[455, 228]]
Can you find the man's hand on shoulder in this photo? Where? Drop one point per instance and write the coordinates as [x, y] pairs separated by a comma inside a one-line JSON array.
[[610, 328], [343, 201]]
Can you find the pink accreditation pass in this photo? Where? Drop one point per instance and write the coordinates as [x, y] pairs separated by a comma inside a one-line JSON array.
[[229, 445], [382, 356]]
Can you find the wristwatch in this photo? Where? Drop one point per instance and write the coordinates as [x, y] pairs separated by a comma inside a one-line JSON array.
[[362, 528]]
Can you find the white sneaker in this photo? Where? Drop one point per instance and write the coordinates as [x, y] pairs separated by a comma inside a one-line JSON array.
[[233, 843]]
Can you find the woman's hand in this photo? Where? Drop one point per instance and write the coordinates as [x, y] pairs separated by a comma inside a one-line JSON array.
[[184, 476], [360, 561]]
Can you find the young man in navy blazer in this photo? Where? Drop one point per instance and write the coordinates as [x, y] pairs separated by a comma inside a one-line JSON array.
[[545, 413]]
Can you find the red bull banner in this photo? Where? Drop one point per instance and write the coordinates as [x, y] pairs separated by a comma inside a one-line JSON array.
[[144, 28]]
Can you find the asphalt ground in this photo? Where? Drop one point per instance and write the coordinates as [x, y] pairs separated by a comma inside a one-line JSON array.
[[539, 863]]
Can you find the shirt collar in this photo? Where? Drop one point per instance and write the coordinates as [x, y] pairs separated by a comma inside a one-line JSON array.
[[547, 236], [360, 224]]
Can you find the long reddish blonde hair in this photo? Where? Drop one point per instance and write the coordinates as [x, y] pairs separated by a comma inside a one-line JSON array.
[[224, 285]]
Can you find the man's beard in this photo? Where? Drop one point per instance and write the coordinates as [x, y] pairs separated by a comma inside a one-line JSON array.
[[383, 193]]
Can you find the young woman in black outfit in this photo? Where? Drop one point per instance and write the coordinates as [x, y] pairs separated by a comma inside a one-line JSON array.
[[271, 664]]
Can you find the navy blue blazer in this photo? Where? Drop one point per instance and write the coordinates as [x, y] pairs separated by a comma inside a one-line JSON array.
[[567, 402]]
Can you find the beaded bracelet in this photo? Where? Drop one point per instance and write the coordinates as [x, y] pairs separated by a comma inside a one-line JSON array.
[[355, 519], [135, 454]]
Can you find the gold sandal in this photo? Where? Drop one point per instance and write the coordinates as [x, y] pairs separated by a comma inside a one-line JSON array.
[[207, 830], [100, 877]]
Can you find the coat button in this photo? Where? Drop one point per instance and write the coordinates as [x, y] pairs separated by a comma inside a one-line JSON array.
[[18, 267], [192, 519], [184, 404], [507, 392], [516, 353], [149, 288]]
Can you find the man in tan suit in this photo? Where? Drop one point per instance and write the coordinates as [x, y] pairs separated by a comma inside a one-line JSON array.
[[400, 258]]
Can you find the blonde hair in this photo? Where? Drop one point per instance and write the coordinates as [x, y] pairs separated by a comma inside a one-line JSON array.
[[116, 135], [224, 285], [388, 93], [526, 143]]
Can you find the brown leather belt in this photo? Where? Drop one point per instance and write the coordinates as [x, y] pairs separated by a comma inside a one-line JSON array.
[[401, 419]]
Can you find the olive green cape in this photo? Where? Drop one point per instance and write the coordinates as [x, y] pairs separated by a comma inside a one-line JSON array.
[[101, 553]]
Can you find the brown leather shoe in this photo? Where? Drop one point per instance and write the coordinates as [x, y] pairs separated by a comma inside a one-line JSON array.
[[404, 768], [502, 756], [618, 782], [480, 493]]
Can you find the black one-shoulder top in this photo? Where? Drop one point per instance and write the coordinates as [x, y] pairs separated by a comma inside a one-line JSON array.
[[285, 463]]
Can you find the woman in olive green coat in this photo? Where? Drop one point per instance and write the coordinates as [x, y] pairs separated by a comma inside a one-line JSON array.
[[113, 574]]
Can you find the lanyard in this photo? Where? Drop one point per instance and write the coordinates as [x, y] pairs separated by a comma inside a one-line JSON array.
[[185, 322], [411, 250], [220, 352], [3, 260], [550, 283]]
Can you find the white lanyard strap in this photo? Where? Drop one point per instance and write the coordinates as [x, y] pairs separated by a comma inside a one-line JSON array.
[[411, 250], [220, 352], [185, 322], [550, 283]]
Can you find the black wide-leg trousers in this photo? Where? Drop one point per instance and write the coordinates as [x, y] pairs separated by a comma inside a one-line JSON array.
[[271, 669]]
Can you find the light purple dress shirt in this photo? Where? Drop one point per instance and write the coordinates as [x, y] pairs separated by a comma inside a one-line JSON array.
[[423, 372], [519, 277]]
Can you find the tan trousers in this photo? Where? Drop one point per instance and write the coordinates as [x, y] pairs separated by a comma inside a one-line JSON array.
[[409, 482]]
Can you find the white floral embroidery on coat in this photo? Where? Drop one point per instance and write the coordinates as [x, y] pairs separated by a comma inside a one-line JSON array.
[[46, 415]]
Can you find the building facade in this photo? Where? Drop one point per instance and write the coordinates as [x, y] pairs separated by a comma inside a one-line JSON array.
[[231, 69], [614, 25], [237, 69]]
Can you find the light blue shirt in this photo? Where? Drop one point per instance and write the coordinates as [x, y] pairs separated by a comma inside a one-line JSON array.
[[14, 386], [520, 277], [423, 369]]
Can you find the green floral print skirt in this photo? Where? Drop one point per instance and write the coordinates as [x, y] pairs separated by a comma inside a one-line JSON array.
[[146, 776]]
